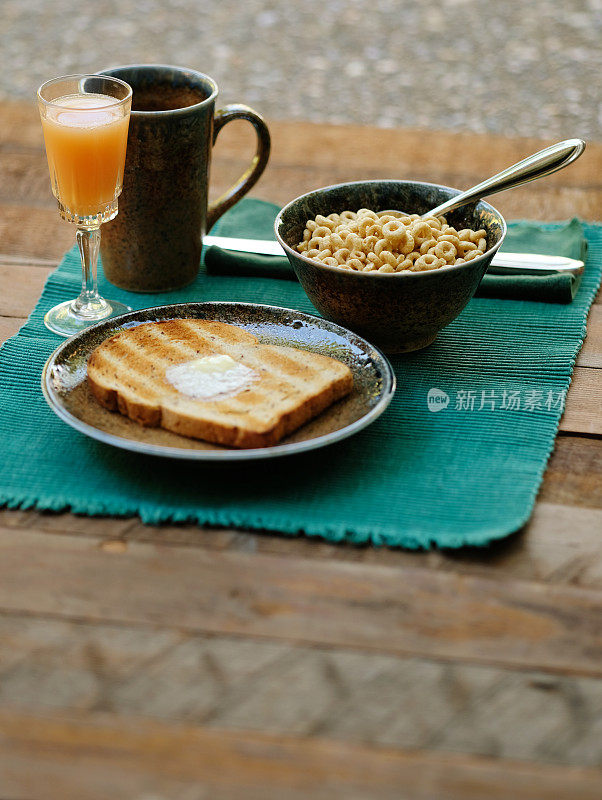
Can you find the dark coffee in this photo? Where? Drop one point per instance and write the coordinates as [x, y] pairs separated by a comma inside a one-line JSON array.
[[165, 97]]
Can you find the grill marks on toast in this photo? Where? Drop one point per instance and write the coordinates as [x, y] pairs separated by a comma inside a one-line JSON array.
[[127, 373]]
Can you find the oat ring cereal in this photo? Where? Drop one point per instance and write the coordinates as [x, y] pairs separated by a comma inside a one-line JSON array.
[[388, 241]]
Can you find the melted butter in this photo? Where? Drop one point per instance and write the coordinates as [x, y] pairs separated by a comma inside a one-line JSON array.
[[212, 364], [210, 378]]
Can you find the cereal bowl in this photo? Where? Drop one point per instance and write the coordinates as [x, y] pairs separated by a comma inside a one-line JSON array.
[[398, 311]]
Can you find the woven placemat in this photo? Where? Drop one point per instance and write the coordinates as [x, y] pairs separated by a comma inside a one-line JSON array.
[[456, 459]]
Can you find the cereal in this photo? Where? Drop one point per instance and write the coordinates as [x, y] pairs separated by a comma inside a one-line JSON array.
[[427, 246], [446, 251], [387, 242]]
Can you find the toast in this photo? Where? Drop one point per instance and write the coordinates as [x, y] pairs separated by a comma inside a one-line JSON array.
[[260, 393]]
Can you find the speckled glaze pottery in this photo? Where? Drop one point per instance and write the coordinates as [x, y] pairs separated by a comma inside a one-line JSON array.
[[65, 384], [154, 243], [399, 312]]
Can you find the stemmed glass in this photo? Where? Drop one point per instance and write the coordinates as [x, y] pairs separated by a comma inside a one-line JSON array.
[[85, 122]]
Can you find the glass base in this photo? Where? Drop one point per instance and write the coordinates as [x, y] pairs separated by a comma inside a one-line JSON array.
[[90, 221], [64, 320]]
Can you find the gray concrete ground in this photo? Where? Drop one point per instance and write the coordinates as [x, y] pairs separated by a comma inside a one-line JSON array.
[[515, 67]]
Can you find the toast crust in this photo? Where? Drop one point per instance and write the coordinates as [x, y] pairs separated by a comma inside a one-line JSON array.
[[126, 373]]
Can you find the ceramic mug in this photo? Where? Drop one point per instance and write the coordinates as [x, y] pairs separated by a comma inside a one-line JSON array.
[[154, 243]]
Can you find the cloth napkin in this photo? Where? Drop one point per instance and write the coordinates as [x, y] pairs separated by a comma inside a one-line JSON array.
[[525, 237]]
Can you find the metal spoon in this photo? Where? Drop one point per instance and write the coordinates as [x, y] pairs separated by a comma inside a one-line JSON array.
[[540, 164]]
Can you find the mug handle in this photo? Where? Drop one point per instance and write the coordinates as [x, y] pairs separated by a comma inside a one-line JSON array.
[[250, 177]]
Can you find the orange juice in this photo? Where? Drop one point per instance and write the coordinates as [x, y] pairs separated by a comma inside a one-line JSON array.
[[86, 137]]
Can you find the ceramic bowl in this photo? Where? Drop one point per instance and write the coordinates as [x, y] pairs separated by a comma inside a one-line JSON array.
[[399, 312]]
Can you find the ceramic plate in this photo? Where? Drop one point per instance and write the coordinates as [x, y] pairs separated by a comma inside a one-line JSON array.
[[65, 386]]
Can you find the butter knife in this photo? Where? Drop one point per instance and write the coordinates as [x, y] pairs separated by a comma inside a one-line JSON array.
[[502, 263]]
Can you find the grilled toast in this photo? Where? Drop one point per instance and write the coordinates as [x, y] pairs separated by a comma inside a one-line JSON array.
[[281, 387]]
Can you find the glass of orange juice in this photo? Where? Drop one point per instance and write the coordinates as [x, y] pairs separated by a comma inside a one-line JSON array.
[[85, 122]]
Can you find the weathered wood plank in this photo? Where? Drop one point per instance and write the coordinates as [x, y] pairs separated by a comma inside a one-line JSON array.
[[38, 232], [20, 288], [583, 410], [9, 326], [241, 683], [473, 155], [26, 261], [437, 156], [297, 142], [20, 125], [574, 473], [25, 179], [436, 613], [561, 544], [282, 184], [385, 609], [455, 159], [102, 756], [306, 156]]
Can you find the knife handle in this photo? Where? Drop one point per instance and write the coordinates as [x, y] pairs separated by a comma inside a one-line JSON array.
[[533, 264]]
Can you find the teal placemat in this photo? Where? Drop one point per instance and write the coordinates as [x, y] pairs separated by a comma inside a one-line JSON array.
[[456, 459]]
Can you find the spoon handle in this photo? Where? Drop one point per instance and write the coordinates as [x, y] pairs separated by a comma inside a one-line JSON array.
[[536, 166]]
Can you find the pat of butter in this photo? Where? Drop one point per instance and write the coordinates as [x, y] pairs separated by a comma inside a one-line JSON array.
[[216, 363], [211, 377]]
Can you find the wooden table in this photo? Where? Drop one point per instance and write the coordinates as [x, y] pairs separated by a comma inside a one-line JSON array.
[[179, 663]]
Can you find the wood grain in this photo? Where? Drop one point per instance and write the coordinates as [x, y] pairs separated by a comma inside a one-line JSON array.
[[300, 143], [25, 176], [543, 551], [20, 125], [574, 473], [514, 623], [583, 410], [306, 156], [20, 288], [234, 683], [104, 756], [33, 231], [9, 326]]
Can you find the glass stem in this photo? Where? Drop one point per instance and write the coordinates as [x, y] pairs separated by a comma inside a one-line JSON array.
[[89, 303]]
